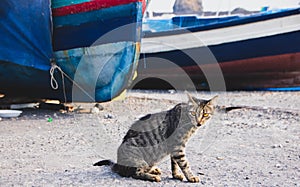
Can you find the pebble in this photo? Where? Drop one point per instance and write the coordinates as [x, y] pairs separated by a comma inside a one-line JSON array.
[[258, 124], [172, 91], [276, 146], [219, 158], [99, 106], [95, 110], [0, 119], [108, 116]]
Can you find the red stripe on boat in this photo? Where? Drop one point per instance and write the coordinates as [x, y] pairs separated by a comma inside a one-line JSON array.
[[145, 5], [90, 6]]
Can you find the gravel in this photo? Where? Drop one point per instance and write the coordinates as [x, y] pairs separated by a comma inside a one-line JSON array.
[[255, 145]]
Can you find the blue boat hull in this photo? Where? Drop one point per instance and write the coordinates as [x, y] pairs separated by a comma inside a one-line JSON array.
[[252, 53], [90, 53]]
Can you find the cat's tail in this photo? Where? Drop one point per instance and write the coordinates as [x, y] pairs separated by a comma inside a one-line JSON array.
[[124, 171], [104, 163]]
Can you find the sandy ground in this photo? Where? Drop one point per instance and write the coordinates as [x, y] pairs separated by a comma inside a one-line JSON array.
[[253, 146]]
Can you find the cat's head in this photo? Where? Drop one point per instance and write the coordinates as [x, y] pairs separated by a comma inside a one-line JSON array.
[[200, 110]]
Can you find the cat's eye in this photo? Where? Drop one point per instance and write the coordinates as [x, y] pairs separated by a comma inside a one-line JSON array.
[[205, 114], [193, 113]]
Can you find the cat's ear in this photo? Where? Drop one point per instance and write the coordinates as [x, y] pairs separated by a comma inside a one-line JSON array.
[[213, 100], [192, 99]]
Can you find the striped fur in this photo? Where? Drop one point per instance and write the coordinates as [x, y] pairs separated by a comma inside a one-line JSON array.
[[156, 136]]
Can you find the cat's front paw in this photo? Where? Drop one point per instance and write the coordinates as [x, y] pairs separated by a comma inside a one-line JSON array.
[[155, 171], [194, 179], [156, 178], [178, 176]]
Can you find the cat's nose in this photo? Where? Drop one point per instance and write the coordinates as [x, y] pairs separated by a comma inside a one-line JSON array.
[[199, 124]]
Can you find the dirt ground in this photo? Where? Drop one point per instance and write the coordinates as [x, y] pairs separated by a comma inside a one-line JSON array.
[[256, 145]]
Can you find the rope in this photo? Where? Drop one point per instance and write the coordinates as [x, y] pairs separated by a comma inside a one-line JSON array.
[[53, 81]]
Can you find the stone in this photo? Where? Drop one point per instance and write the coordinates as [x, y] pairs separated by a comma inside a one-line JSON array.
[[188, 7]]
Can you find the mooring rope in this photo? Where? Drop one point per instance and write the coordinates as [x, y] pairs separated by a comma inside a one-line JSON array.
[[54, 83]]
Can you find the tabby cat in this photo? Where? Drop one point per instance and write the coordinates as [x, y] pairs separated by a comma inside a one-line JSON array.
[[155, 136]]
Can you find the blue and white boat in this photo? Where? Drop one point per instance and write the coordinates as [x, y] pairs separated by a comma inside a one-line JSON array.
[[254, 52]]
